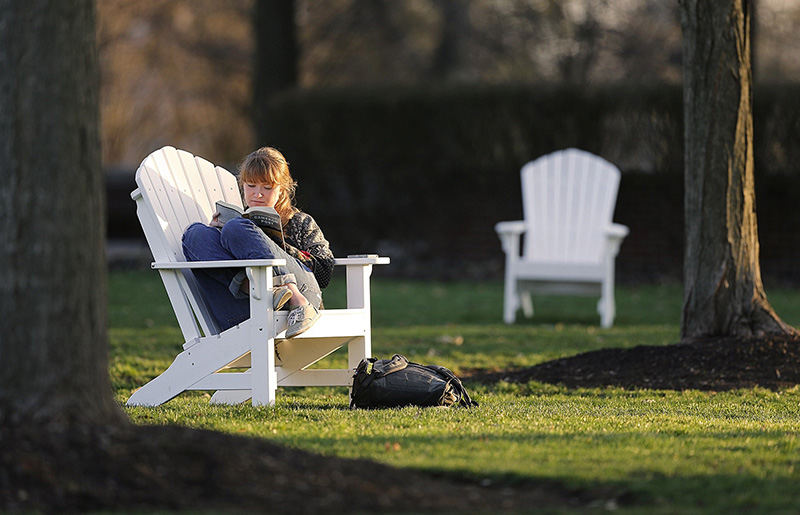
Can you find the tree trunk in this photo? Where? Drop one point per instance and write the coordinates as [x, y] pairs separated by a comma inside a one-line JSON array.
[[455, 28], [275, 67], [723, 293], [53, 340]]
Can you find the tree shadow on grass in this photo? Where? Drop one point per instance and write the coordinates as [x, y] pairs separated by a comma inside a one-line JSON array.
[[642, 487], [177, 468]]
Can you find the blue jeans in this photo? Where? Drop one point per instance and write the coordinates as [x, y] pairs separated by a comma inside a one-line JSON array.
[[240, 238]]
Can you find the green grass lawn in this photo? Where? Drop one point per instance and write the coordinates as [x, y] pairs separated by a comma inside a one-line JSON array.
[[643, 450]]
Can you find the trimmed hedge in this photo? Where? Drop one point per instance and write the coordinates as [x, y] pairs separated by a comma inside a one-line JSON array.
[[423, 175]]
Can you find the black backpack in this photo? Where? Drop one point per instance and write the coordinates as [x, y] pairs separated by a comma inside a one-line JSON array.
[[389, 383]]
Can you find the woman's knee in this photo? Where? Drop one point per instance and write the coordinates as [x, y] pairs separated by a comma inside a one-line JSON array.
[[199, 239], [245, 240], [198, 233], [238, 228]]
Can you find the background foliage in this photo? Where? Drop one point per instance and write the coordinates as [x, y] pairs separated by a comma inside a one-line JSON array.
[[180, 71], [425, 173], [414, 131]]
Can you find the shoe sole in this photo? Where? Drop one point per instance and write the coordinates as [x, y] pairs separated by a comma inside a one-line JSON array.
[[278, 303]]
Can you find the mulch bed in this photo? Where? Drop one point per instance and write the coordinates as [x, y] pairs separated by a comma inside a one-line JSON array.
[[717, 364]]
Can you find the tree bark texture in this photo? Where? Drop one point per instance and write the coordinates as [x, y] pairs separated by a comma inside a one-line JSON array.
[[723, 292], [53, 339], [275, 67]]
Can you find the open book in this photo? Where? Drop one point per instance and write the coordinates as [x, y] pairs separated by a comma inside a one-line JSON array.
[[265, 217]]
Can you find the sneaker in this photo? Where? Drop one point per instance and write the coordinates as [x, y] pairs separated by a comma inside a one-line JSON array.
[[280, 296], [301, 319]]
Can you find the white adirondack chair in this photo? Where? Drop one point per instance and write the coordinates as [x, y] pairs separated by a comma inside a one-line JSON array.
[[570, 242], [176, 189]]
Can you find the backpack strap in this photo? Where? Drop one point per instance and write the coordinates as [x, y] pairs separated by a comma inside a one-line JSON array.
[[383, 367], [463, 397]]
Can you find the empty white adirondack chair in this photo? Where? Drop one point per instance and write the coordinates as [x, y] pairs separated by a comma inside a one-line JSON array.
[[570, 242], [176, 189]]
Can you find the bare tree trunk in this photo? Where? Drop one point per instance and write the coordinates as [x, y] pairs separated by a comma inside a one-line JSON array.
[[53, 341], [448, 56], [723, 293], [275, 67]]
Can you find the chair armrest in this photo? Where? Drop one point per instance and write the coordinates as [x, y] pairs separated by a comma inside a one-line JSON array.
[[513, 227], [180, 265], [509, 234], [363, 259], [615, 233], [255, 269], [359, 269]]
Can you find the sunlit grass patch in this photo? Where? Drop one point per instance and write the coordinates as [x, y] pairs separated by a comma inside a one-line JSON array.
[[653, 450]]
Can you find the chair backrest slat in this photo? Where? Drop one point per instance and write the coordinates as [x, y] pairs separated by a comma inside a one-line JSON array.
[[568, 199], [178, 189], [161, 192], [229, 187]]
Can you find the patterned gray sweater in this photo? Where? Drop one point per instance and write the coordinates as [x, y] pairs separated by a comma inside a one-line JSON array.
[[306, 243]]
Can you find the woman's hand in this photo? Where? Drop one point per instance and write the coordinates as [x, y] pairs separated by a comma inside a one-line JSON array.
[[215, 221]]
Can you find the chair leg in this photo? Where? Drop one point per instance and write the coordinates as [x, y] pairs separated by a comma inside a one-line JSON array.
[[527, 303], [262, 337], [510, 300], [606, 306], [358, 349], [232, 397], [191, 365]]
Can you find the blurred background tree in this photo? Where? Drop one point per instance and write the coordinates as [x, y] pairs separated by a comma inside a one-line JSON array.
[[179, 71], [364, 95], [174, 73], [276, 57]]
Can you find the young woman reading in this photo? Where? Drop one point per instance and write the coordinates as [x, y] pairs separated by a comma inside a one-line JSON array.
[[264, 180]]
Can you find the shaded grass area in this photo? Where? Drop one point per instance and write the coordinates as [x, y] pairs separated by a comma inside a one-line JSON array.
[[664, 450]]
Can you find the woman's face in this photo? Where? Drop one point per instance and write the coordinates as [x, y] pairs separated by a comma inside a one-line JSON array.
[[261, 194]]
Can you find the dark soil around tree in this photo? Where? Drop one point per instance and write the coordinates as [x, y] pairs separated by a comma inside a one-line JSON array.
[[174, 468], [717, 364]]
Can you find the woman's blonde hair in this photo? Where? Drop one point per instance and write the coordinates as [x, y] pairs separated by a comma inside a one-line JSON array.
[[268, 166]]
